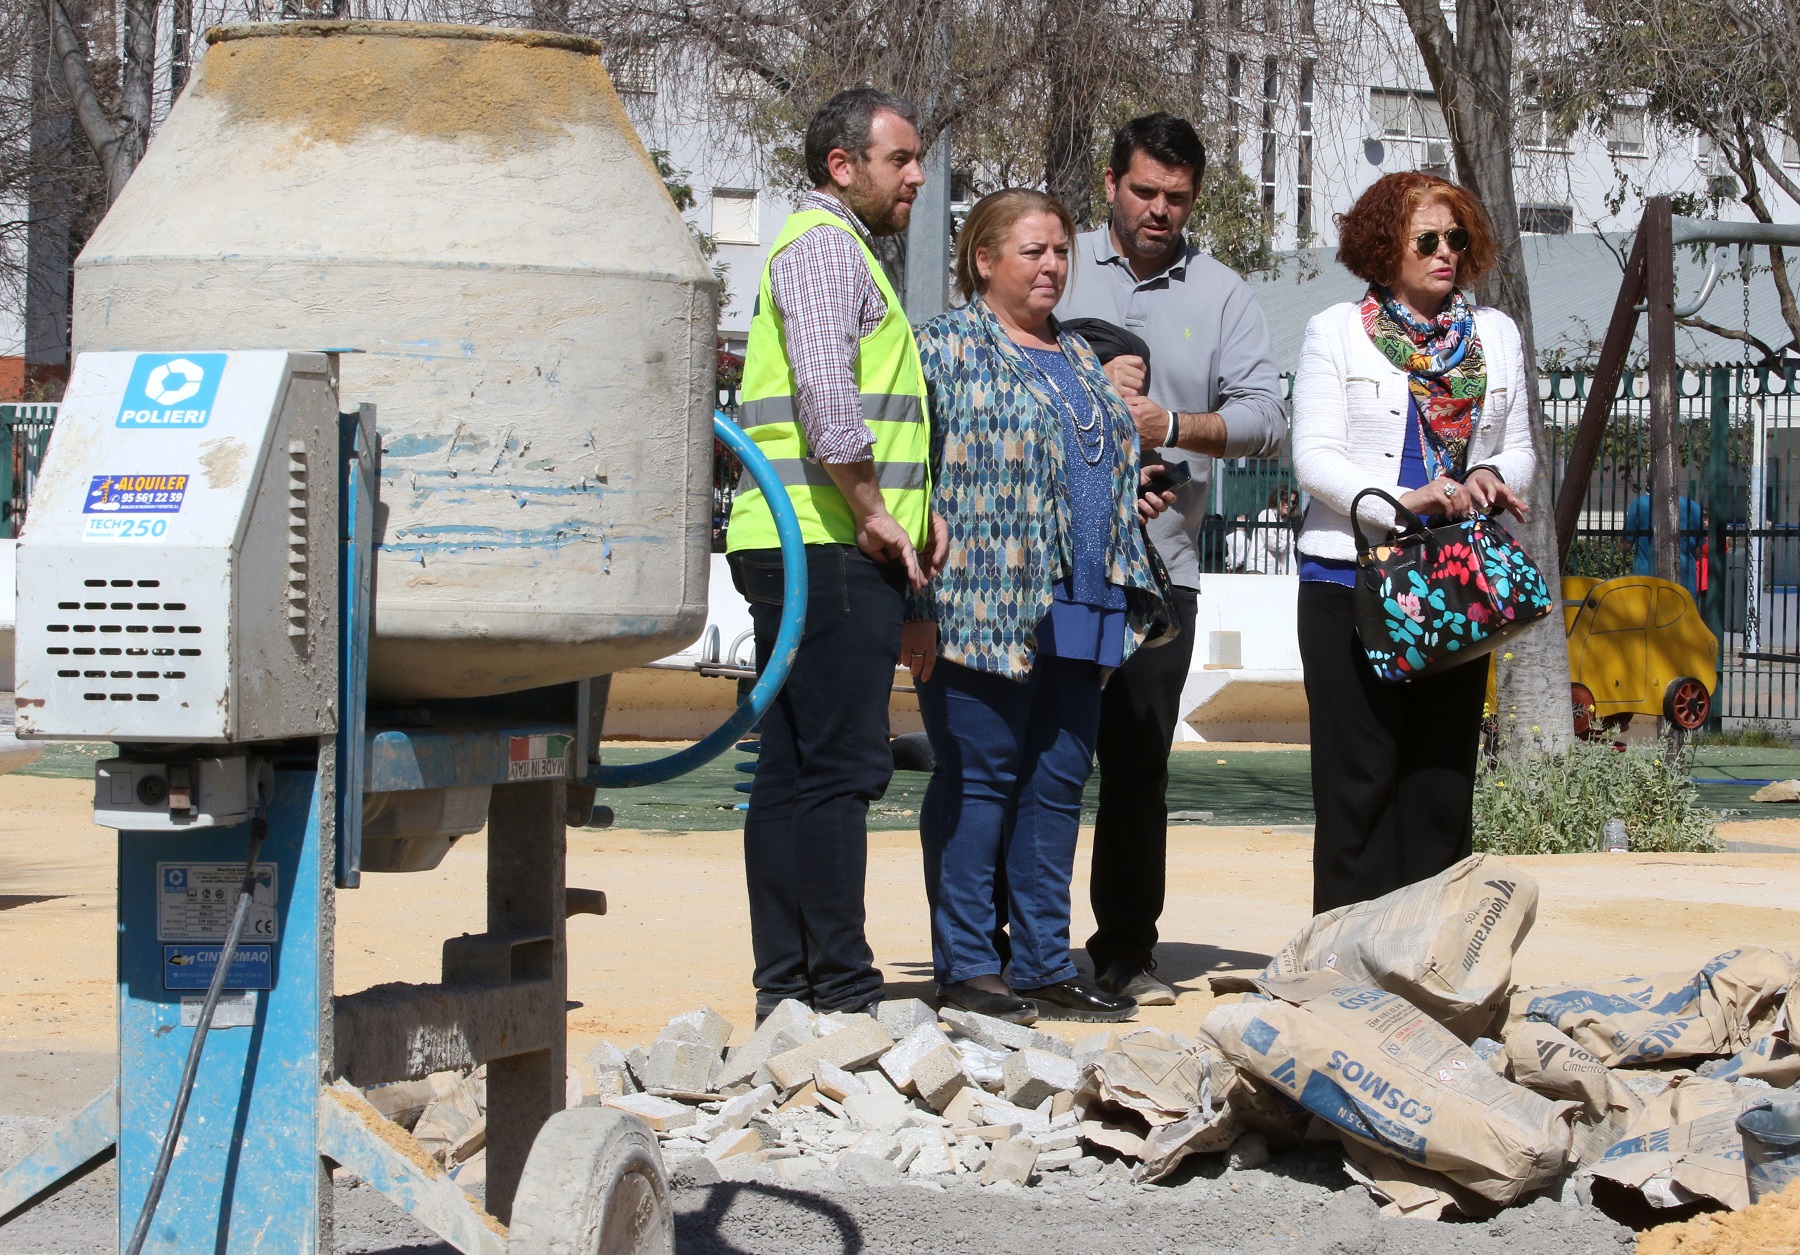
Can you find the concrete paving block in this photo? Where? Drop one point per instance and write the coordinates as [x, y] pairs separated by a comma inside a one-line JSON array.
[[971, 1153], [738, 1112], [1086, 1166], [999, 1111], [1010, 1161], [743, 1060], [850, 1047], [875, 1081], [938, 1076], [705, 1026], [1029, 1077], [935, 1157], [898, 1062], [796, 1170], [1060, 1139], [635, 1059], [875, 1143], [610, 1084], [963, 1109], [1000, 1035], [1052, 1160], [691, 1066], [801, 1099], [1067, 1119], [903, 1158], [901, 1016], [835, 1083], [661, 1114], [1062, 1103], [884, 1112], [733, 1144]]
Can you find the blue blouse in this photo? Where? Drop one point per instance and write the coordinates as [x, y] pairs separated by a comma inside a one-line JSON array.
[[1412, 475], [1087, 619]]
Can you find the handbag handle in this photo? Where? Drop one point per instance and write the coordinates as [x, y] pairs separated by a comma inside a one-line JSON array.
[[1415, 523]]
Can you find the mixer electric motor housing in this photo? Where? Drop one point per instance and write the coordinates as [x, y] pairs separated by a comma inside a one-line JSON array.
[[182, 552]]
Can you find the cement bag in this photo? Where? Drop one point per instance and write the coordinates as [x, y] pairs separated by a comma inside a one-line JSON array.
[[1181, 1093], [1685, 1146], [1672, 1016], [1405, 1189], [1544, 1060], [1385, 1073], [1445, 944], [1772, 1057]]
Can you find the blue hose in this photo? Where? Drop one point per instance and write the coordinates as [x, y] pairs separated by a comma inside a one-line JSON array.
[[781, 658]]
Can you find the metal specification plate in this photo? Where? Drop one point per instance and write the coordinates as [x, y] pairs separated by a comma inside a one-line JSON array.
[[235, 1010], [192, 967], [195, 901]]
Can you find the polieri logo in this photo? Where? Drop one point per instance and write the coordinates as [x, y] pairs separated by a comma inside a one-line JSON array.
[[171, 390]]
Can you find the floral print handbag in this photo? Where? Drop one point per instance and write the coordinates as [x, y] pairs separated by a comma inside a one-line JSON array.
[[1433, 597]]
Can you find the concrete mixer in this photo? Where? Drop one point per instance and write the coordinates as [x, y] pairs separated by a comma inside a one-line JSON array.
[[331, 640]]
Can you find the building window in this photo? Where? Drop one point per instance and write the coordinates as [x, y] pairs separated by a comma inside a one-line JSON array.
[[1413, 119], [633, 72], [1303, 173], [1625, 131], [1546, 219], [1271, 90], [1790, 150], [1538, 126], [734, 217], [1306, 19], [1234, 108]]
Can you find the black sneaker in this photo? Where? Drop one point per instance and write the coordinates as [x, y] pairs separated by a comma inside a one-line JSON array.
[[1009, 1007], [1075, 999]]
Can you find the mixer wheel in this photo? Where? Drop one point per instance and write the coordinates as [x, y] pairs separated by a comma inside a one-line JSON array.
[[593, 1185]]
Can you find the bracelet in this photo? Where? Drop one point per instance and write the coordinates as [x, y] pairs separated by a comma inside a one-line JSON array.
[[1174, 430]]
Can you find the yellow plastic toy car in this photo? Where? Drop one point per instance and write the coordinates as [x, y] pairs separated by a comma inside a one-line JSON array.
[[1637, 646]]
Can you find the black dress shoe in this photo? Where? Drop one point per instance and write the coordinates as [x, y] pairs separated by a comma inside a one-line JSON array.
[[1076, 999], [1009, 1007]]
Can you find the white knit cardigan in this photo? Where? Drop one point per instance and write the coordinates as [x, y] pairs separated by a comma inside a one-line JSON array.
[[1350, 421]]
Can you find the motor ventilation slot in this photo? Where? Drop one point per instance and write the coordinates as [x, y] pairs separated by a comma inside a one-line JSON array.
[[296, 545], [116, 622]]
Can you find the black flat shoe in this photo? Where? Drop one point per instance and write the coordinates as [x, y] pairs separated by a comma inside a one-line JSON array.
[[1009, 1007], [1077, 1000]]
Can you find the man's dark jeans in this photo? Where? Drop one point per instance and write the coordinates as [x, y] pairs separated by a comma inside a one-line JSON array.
[[824, 758], [1138, 712]]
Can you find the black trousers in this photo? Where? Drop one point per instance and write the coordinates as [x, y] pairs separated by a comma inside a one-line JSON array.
[[1393, 765], [824, 758], [1138, 712]]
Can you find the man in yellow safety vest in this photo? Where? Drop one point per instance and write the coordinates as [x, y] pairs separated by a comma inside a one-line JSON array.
[[834, 396]]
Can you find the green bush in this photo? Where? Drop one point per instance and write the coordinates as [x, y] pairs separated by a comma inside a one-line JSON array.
[[1754, 734], [1559, 803]]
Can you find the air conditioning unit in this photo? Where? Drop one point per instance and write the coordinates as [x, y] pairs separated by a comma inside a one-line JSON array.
[[1437, 153]]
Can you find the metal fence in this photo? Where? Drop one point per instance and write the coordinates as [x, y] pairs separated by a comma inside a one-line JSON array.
[[1738, 449], [24, 435]]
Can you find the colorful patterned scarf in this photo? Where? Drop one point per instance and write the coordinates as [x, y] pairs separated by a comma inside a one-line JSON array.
[[1445, 368]]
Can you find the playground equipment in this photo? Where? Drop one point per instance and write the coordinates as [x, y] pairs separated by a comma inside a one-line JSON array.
[[310, 673], [1638, 646]]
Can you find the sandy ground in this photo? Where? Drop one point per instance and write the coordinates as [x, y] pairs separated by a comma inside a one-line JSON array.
[[678, 934]]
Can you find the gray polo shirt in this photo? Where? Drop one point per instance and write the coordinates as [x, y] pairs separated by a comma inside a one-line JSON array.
[[1209, 353]]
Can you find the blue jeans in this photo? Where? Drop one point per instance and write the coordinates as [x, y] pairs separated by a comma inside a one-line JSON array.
[[1002, 813]]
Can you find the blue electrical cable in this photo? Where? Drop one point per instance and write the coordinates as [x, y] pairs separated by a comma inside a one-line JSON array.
[[781, 657]]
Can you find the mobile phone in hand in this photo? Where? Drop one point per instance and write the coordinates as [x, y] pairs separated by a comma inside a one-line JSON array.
[[1168, 477]]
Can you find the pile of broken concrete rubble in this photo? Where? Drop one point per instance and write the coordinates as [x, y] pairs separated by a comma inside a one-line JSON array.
[[1389, 1030]]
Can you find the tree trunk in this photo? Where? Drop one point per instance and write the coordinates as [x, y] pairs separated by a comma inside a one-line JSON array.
[[1072, 71], [1471, 71], [49, 233], [118, 142]]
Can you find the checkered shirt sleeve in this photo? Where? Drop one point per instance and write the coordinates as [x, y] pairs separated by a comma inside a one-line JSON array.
[[828, 303]]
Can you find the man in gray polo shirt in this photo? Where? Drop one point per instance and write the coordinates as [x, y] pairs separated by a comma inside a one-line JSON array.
[[1212, 392]]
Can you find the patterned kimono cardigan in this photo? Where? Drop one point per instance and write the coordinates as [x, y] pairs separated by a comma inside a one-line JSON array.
[[999, 484]]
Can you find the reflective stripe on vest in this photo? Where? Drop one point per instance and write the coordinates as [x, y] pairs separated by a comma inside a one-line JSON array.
[[892, 386]]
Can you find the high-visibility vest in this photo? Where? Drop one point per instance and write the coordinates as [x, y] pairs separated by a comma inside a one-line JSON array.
[[892, 384]]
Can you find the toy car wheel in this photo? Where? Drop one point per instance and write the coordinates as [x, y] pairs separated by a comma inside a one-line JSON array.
[[1686, 703], [1581, 703]]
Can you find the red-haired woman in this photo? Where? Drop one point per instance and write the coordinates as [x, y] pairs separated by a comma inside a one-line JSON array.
[[1417, 390]]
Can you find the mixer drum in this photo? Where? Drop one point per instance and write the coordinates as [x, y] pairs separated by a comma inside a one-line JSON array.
[[472, 210]]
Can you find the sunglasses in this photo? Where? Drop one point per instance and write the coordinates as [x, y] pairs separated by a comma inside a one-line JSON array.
[[1456, 237]]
